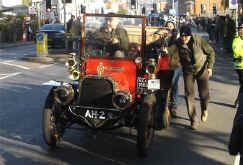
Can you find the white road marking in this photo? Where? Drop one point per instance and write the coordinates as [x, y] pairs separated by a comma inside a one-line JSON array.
[[9, 75], [18, 66], [46, 66]]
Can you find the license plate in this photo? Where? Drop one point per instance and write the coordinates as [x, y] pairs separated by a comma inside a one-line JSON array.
[[154, 84], [94, 114], [142, 82]]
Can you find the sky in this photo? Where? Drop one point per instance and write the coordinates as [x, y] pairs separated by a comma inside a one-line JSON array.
[[9, 3]]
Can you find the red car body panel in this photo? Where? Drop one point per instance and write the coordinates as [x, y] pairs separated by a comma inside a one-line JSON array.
[[163, 63], [123, 72]]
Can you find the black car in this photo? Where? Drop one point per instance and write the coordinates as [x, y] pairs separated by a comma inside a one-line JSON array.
[[55, 34]]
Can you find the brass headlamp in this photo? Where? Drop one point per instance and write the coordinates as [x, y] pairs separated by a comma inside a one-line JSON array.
[[74, 74], [71, 63], [64, 94], [151, 67], [122, 100]]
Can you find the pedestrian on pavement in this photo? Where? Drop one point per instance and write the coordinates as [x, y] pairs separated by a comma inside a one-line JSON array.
[[52, 18], [211, 29], [229, 33], [197, 59], [174, 92], [219, 29], [76, 32], [236, 138], [237, 47], [70, 24]]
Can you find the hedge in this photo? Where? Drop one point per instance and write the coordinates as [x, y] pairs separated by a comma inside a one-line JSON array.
[[11, 27]]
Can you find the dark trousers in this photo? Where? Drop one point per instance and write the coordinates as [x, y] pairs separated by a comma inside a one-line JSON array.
[[203, 90], [240, 76]]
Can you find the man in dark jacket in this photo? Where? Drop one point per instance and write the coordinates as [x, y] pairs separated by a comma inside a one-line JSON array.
[[236, 137], [69, 23], [113, 37], [197, 59]]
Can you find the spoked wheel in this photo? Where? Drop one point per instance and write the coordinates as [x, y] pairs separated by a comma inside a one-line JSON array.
[[145, 128], [49, 128]]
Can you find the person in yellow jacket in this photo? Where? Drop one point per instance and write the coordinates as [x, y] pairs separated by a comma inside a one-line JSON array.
[[237, 47]]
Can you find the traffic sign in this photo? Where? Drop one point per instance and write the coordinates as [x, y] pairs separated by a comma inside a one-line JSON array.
[[40, 36], [32, 10], [233, 4]]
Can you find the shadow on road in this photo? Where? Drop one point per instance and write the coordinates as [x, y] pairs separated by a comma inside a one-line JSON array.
[[21, 139], [78, 148], [223, 104], [223, 68]]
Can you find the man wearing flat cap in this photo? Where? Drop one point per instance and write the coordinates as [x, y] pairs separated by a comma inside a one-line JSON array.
[[197, 58]]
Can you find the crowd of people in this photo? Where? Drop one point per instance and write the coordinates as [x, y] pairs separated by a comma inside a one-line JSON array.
[[221, 30]]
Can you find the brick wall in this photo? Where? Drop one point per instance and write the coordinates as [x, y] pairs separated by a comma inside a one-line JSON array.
[[188, 5]]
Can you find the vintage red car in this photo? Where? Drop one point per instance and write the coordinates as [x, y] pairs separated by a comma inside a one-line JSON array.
[[119, 80]]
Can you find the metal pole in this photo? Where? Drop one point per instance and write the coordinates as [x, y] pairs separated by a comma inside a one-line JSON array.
[[38, 15], [64, 8]]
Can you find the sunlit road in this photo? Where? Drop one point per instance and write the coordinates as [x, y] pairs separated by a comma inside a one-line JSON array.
[[22, 98]]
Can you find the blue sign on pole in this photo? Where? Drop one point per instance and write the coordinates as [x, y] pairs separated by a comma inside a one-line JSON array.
[[40, 36], [233, 2]]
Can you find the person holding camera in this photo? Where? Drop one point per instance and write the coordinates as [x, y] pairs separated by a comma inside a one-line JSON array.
[[197, 58], [174, 92]]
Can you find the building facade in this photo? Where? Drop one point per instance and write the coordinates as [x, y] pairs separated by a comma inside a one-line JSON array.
[[201, 7]]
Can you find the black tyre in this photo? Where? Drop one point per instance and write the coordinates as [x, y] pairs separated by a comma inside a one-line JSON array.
[[166, 117], [48, 124], [145, 130]]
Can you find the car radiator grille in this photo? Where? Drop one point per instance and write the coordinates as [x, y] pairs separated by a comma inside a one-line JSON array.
[[96, 92]]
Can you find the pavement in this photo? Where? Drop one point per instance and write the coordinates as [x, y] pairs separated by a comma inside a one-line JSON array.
[[54, 55], [4, 45]]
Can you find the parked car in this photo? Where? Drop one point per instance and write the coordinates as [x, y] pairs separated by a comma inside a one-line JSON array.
[[55, 34], [112, 88]]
